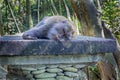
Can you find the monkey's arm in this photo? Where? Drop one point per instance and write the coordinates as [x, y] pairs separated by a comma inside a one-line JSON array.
[[29, 35], [36, 33], [33, 33]]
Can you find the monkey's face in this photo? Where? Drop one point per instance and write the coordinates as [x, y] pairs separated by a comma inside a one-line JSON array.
[[64, 31]]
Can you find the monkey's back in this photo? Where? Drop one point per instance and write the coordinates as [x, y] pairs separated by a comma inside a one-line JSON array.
[[54, 19]]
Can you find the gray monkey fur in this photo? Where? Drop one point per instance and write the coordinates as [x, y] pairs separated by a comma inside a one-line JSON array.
[[53, 28]]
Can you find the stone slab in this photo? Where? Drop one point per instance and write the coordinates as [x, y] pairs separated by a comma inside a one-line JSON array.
[[15, 45], [50, 59]]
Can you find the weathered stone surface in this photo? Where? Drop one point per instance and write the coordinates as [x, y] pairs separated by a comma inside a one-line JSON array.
[[29, 76], [45, 75], [26, 72], [77, 78], [47, 79], [54, 70], [42, 67], [60, 74], [63, 78], [50, 59], [82, 75], [2, 76], [52, 66], [63, 66], [32, 79], [38, 71], [14, 45], [3, 72], [71, 74], [28, 69], [79, 65], [70, 69]]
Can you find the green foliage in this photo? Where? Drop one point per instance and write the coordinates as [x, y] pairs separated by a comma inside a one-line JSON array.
[[111, 14], [94, 72], [1, 1]]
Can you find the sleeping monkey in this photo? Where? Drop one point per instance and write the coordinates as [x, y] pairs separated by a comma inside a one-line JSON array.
[[53, 28]]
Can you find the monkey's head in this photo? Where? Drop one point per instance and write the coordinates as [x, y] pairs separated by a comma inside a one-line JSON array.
[[62, 31]]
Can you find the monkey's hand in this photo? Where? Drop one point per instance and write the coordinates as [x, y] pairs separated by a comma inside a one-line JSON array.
[[29, 37]]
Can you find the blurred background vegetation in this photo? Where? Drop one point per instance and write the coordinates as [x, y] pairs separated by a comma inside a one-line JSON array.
[[17, 16]]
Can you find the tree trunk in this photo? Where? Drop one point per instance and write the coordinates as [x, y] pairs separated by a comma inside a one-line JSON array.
[[12, 14], [92, 26], [107, 72], [1, 23], [67, 10], [29, 21], [38, 5], [108, 34], [54, 8], [88, 16]]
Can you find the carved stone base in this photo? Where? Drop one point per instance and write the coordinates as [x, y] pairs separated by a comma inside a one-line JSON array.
[[51, 67]]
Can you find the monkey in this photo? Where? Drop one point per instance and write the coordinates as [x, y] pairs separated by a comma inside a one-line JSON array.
[[53, 28]]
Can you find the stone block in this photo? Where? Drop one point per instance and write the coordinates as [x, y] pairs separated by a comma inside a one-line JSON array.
[[15, 45]]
